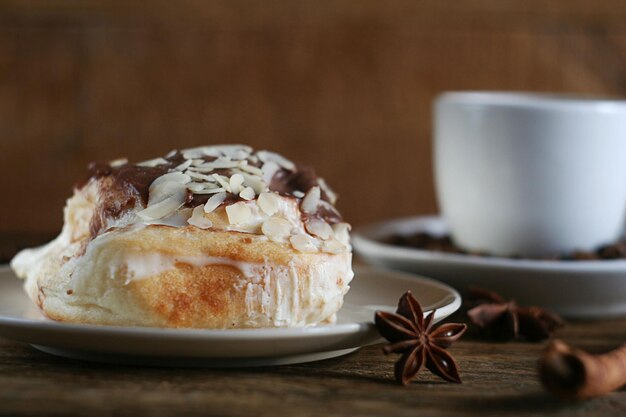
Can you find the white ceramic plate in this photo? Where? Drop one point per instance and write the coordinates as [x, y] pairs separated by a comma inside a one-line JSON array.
[[582, 289], [370, 290]]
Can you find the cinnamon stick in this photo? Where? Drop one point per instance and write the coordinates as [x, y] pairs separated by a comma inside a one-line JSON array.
[[575, 374]]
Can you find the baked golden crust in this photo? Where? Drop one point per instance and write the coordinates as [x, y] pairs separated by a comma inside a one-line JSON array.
[[207, 279]]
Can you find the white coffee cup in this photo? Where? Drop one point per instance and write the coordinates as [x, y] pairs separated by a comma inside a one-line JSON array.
[[530, 174]]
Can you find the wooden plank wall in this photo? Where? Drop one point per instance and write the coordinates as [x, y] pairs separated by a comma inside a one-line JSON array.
[[343, 85]]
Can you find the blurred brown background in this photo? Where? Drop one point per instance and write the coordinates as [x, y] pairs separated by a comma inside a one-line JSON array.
[[345, 86]]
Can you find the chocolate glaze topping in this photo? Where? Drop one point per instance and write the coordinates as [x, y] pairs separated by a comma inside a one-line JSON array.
[[127, 183]]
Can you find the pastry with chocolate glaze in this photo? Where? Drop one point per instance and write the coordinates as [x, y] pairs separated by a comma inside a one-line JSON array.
[[213, 237]]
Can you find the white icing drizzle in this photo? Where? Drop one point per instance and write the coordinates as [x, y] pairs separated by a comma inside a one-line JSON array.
[[141, 266]]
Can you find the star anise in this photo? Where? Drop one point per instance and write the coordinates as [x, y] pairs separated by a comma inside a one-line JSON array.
[[420, 344], [504, 320]]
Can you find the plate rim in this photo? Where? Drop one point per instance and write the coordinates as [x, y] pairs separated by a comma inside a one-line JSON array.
[[365, 242], [349, 329]]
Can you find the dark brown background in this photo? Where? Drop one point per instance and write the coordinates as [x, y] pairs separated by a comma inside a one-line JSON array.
[[344, 85]]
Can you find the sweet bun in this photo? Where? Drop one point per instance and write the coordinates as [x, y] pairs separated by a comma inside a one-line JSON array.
[[212, 237]]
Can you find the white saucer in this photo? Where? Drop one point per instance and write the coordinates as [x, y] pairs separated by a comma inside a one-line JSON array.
[[582, 289], [371, 290]]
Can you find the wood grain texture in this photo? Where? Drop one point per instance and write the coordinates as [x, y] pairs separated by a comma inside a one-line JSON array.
[[498, 380], [344, 86]]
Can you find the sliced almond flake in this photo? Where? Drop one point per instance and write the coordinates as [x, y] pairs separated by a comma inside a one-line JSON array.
[[332, 196], [213, 165], [276, 229], [319, 228], [210, 190], [214, 202], [342, 232], [196, 186], [235, 183], [222, 163], [197, 218], [163, 208], [228, 150], [211, 151], [174, 176], [239, 213], [198, 176], [255, 182], [267, 156], [252, 169], [184, 165], [269, 169], [196, 162], [195, 168], [118, 162], [254, 159], [237, 151], [223, 181], [268, 203], [311, 200], [153, 162], [171, 153], [233, 149], [205, 167], [247, 193], [165, 189], [298, 194], [304, 243], [333, 246], [239, 154], [194, 153]]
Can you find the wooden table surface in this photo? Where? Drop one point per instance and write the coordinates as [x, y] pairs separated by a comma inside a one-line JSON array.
[[498, 379]]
